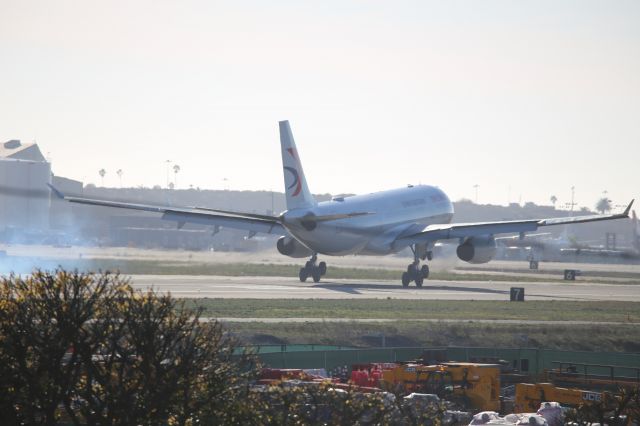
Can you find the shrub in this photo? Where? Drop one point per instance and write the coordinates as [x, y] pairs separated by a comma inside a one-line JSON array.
[[89, 349]]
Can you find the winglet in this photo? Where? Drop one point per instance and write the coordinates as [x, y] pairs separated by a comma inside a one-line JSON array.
[[628, 209], [56, 191]]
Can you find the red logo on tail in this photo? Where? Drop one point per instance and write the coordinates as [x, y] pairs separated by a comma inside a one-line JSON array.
[[296, 176]]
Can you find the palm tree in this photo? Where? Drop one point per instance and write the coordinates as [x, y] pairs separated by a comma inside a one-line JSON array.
[[603, 205], [119, 173], [102, 172], [176, 169], [554, 200]]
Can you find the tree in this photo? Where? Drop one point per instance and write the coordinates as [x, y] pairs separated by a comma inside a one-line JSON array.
[[44, 318], [119, 173], [163, 365], [553, 200], [464, 201], [176, 169], [102, 172], [89, 349], [603, 205]]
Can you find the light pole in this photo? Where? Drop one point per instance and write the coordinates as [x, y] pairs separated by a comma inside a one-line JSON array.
[[573, 193], [226, 190], [168, 162], [476, 186]]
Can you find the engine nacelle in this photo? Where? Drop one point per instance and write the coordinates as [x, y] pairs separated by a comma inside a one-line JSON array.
[[477, 249], [292, 247]]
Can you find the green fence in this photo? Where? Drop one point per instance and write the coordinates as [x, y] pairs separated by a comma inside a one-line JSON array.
[[537, 360], [264, 349], [533, 361], [336, 358]]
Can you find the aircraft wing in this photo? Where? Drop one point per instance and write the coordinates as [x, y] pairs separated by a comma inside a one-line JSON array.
[[530, 237], [447, 231], [181, 215], [539, 239]]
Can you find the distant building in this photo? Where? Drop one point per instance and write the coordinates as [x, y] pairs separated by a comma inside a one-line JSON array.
[[19, 151], [63, 214], [24, 195]]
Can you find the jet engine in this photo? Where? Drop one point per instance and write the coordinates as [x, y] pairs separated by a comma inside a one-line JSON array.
[[477, 249], [292, 247]]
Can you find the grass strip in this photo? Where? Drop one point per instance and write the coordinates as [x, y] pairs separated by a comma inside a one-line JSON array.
[[406, 333], [401, 309]]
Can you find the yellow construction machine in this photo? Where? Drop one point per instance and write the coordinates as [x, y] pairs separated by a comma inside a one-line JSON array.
[[528, 397], [474, 385]]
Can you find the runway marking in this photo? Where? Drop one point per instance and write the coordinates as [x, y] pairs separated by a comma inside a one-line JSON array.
[[288, 288]]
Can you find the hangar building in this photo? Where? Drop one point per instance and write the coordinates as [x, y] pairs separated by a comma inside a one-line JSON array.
[[24, 195]]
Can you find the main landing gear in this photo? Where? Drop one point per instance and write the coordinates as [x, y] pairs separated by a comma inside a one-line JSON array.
[[312, 270], [415, 272]]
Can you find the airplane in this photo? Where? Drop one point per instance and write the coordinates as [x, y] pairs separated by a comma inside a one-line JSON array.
[[380, 223], [545, 247]]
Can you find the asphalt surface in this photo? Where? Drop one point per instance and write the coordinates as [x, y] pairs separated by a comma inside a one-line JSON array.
[[291, 288]]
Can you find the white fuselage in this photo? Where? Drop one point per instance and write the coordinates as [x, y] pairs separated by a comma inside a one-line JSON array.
[[390, 214]]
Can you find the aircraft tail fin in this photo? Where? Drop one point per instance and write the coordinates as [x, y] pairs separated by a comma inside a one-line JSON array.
[[295, 183]]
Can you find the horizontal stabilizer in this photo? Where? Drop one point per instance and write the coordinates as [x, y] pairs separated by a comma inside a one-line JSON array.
[[241, 214], [330, 217]]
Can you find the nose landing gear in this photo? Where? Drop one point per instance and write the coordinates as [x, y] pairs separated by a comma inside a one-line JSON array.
[[312, 270], [415, 272]]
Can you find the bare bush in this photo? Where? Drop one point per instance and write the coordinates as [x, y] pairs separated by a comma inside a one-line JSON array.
[[88, 349]]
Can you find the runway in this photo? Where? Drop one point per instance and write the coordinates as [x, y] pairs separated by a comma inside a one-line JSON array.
[[291, 288]]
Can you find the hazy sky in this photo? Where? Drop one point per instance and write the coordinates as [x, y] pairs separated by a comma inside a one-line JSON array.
[[522, 98]]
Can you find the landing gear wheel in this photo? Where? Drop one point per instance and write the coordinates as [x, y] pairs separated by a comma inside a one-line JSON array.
[[414, 271], [303, 275], [323, 268], [424, 271], [405, 279], [419, 281], [313, 270]]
